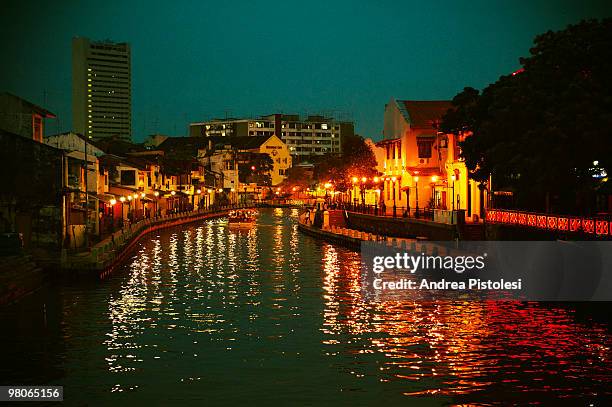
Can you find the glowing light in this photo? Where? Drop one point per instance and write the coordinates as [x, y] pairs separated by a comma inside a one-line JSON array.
[[129, 197], [199, 191], [122, 199], [434, 178], [142, 194], [156, 193], [172, 193], [453, 177], [375, 179], [393, 179], [210, 191], [363, 179], [135, 196], [355, 179], [416, 179], [233, 190], [113, 201], [328, 185], [252, 168]]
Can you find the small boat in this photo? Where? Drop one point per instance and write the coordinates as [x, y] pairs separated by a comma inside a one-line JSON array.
[[241, 218]]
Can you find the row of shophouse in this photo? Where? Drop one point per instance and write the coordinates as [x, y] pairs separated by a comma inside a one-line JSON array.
[[69, 190], [75, 189]]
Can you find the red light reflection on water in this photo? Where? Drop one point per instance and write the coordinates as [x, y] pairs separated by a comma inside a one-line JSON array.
[[474, 349]]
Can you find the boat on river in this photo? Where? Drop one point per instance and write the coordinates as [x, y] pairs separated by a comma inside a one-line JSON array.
[[242, 218]]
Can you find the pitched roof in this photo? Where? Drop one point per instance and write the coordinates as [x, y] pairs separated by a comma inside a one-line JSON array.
[[182, 142], [423, 113], [241, 142], [35, 108]]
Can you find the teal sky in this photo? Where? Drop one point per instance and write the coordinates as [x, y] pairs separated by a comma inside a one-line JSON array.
[[197, 60]]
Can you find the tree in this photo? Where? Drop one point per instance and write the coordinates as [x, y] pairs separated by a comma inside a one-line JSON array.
[[255, 168], [539, 131], [357, 159], [299, 177]]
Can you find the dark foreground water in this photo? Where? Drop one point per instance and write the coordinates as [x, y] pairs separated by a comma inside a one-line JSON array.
[[205, 315]]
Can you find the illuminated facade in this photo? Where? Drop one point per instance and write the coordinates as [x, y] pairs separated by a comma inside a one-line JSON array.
[[101, 89], [421, 166], [224, 153]]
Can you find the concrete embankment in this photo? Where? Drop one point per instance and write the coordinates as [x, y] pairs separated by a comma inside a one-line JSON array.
[[19, 276], [402, 227], [348, 237], [353, 239], [105, 256]]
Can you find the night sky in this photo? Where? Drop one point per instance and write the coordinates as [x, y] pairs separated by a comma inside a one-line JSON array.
[[193, 61]]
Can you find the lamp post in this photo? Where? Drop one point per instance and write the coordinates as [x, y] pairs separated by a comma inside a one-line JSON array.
[[112, 208], [416, 190], [408, 201], [354, 192], [156, 194], [377, 197], [393, 180], [130, 214], [453, 178], [122, 200], [434, 179]]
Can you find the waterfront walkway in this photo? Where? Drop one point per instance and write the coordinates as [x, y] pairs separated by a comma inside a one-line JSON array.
[[102, 258]]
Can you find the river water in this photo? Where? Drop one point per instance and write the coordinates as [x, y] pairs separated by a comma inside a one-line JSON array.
[[206, 315]]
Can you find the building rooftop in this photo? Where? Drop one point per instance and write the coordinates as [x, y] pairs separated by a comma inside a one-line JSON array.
[[31, 106], [242, 142]]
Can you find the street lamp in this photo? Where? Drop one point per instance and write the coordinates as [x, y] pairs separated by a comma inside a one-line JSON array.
[[156, 195], [122, 200], [362, 191], [434, 179], [375, 181], [416, 189], [112, 211], [453, 178], [393, 180]]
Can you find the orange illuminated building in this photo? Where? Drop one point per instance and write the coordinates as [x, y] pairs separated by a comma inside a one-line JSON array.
[[422, 166]]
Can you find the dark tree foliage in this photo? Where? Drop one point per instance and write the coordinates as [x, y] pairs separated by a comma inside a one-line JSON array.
[[255, 168], [357, 159], [298, 177], [539, 130]]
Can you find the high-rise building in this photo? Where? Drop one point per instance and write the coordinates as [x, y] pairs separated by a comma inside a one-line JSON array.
[[101, 89], [312, 135]]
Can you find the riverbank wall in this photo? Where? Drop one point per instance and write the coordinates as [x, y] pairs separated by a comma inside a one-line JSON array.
[[107, 255], [402, 227], [19, 276]]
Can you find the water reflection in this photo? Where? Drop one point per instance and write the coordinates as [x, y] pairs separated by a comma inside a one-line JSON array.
[[216, 315], [486, 351]]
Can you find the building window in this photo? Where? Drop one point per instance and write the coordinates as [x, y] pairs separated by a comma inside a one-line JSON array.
[[399, 150], [128, 177], [424, 147]]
